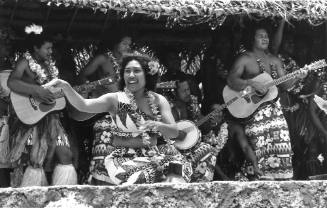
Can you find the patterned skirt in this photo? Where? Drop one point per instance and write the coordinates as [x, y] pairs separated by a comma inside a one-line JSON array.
[[118, 165], [269, 136]]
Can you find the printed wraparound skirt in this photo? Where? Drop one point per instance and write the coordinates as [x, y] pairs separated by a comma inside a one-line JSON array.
[[269, 136]]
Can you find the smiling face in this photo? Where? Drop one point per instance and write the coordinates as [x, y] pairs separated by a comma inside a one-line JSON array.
[[45, 51], [134, 76], [261, 39]]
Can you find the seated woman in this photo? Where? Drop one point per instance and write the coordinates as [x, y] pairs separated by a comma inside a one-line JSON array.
[[140, 118]]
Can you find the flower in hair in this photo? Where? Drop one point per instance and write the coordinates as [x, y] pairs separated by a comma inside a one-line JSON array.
[[154, 67], [36, 29]]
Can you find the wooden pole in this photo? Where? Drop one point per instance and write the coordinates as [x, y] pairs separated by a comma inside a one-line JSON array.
[[13, 12], [72, 21], [47, 17]]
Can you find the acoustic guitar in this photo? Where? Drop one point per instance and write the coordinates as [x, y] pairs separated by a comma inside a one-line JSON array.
[[248, 100]]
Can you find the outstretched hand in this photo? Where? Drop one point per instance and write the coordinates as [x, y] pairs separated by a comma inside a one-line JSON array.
[[56, 83]]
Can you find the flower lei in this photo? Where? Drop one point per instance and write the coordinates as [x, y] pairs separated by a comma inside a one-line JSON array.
[[153, 107], [42, 74]]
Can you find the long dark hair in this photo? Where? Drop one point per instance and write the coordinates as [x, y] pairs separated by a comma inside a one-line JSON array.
[[150, 80]]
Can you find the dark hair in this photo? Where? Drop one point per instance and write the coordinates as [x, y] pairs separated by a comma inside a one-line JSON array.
[[36, 40], [249, 41], [150, 80], [109, 42], [181, 77]]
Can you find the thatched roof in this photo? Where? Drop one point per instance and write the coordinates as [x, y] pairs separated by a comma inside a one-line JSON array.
[[190, 19], [212, 11]]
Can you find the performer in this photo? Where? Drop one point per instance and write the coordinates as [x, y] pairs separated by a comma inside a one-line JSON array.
[[106, 64], [271, 143], [203, 154], [140, 118], [36, 145]]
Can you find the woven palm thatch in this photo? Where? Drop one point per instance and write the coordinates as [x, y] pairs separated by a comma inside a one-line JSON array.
[[190, 12]]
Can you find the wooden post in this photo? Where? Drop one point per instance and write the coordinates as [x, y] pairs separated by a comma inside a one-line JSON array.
[[13, 12], [47, 17], [72, 21]]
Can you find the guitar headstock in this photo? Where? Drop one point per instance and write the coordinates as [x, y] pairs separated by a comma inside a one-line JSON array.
[[166, 85], [317, 65]]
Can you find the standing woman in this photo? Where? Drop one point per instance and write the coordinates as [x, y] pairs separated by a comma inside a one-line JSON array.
[[140, 118]]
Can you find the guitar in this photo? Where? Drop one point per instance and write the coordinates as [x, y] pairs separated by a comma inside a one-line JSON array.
[[250, 101], [30, 110], [191, 129]]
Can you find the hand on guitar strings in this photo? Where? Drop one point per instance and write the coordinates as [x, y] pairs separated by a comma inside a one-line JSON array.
[[216, 117], [45, 95], [258, 86]]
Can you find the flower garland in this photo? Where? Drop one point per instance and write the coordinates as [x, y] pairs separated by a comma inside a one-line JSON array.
[[153, 107], [42, 74]]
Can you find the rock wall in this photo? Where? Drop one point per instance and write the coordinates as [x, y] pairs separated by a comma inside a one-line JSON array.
[[216, 194]]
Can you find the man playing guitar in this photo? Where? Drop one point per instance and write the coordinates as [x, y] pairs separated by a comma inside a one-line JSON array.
[[203, 154], [268, 131], [47, 138]]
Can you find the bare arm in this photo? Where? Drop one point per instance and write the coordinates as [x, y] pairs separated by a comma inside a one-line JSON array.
[[104, 103], [92, 67], [16, 83], [167, 127], [234, 79], [278, 37]]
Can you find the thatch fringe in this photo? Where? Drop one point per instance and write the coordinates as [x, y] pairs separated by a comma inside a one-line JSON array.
[[211, 11]]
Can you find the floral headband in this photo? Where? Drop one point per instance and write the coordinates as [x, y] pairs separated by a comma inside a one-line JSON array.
[[36, 29], [154, 67]]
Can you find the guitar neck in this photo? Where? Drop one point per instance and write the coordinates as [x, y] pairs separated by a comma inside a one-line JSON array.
[[93, 85], [222, 107], [282, 79]]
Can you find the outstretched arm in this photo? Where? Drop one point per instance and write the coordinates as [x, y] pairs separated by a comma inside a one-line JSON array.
[[104, 103]]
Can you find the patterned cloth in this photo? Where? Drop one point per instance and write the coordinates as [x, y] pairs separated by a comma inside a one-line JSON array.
[[118, 165], [269, 137], [204, 154]]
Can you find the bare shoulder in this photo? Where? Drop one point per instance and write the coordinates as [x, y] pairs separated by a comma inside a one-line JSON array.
[[101, 58], [22, 62], [160, 99], [245, 57]]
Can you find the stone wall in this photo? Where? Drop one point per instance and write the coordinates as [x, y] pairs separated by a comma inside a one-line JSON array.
[[217, 194]]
